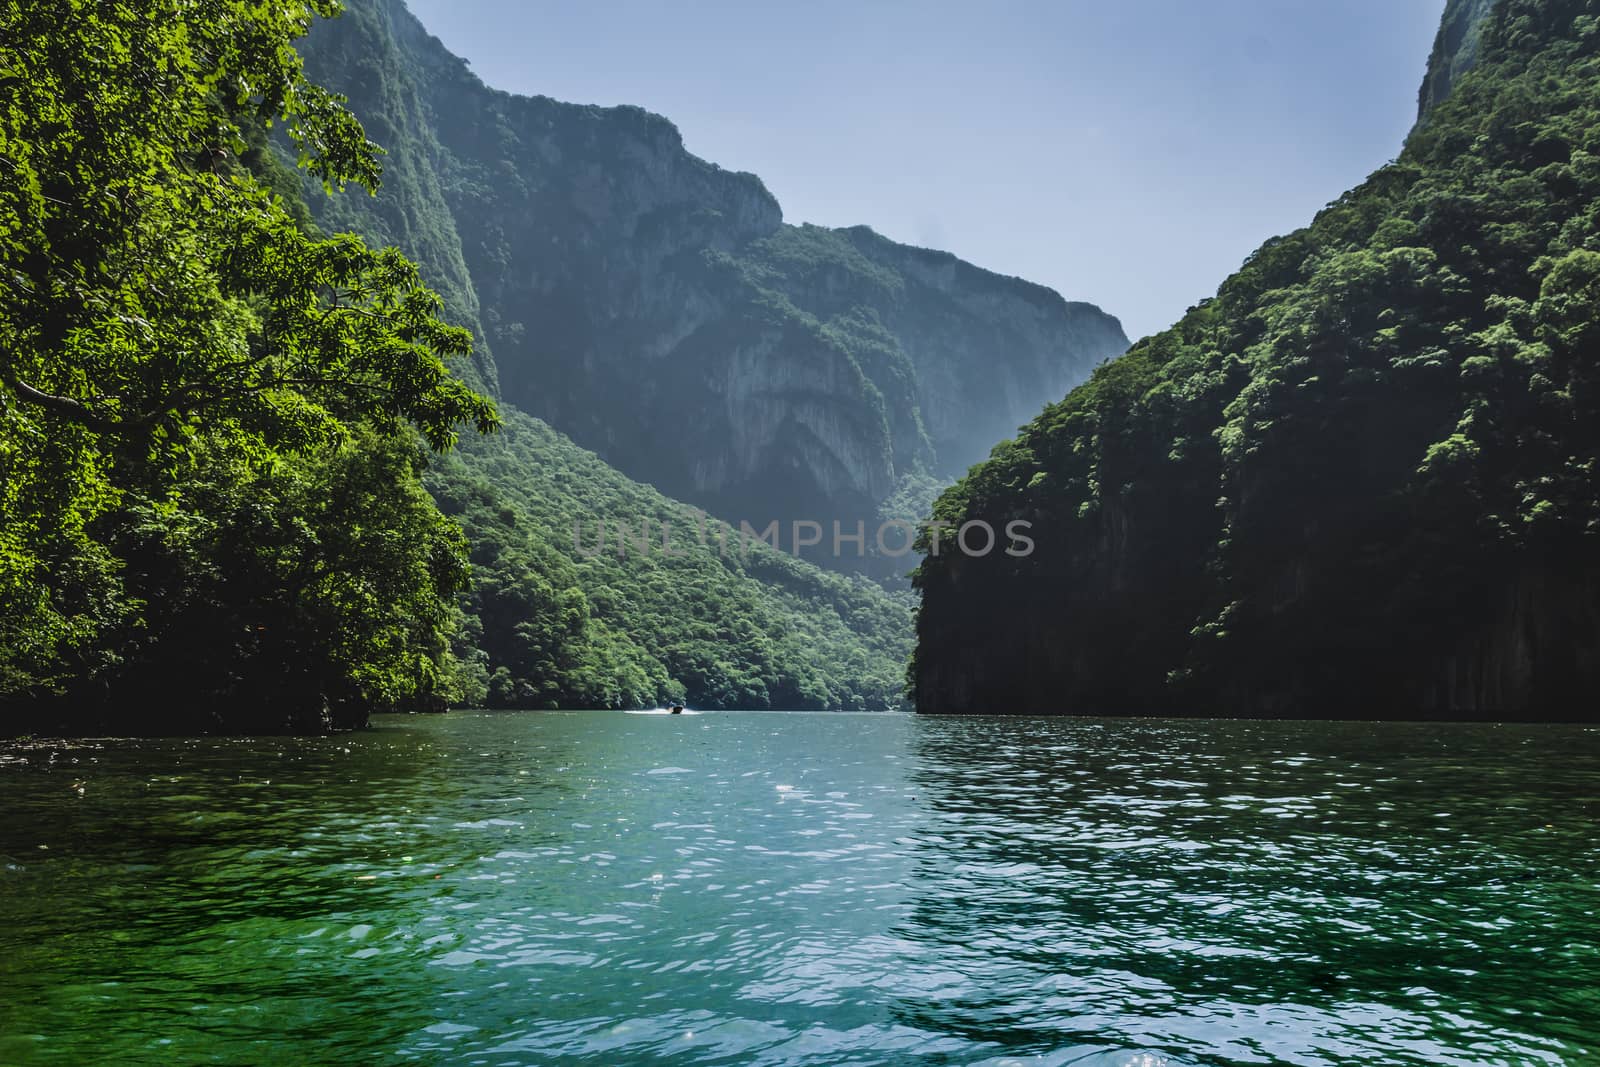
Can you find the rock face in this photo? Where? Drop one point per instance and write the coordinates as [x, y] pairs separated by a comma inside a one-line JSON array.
[[655, 307], [1455, 50]]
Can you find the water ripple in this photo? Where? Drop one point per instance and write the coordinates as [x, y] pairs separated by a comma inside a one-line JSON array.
[[806, 889]]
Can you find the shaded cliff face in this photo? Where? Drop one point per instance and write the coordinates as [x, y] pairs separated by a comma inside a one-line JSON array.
[[655, 307], [1361, 480], [1455, 50]]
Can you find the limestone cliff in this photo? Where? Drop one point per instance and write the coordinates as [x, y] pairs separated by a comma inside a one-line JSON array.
[[1455, 50], [656, 308]]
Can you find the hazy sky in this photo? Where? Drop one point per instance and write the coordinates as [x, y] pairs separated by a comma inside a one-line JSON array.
[[1126, 152]]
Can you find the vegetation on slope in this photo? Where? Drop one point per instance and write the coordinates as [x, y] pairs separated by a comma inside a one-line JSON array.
[[1364, 479], [554, 620]]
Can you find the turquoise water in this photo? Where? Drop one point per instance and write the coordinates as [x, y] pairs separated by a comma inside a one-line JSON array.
[[748, 888]]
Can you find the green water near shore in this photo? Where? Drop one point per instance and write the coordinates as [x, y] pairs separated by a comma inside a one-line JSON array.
[[749, 888]]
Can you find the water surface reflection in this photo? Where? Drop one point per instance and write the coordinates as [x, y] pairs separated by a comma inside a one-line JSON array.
[[804, 889]]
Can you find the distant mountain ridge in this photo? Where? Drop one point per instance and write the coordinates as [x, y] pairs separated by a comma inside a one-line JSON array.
[[656, 308]]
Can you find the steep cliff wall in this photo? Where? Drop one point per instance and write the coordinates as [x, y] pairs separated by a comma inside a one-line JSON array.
[[1455, 50], [1361, 480], [654, 306]]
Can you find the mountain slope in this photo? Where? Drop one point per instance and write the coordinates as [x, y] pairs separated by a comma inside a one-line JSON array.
[[556, 620], [1362, 480], [656, 309]]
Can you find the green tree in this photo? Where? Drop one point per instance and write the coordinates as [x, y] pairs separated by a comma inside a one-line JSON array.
[[297, 592], [161, 307]]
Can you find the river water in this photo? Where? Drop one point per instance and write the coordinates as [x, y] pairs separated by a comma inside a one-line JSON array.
[[789, 888]]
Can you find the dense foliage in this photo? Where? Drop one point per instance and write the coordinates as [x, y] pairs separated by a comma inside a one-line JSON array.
[[1364, 479], [553, 619], [210, 512]]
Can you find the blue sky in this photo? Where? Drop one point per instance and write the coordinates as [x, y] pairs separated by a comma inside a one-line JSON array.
[[1126, 152]]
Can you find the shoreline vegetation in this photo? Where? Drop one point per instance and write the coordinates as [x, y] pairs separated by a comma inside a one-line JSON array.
[[212, 418]]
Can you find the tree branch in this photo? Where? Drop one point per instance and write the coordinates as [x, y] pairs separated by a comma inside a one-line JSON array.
[[64, 406]]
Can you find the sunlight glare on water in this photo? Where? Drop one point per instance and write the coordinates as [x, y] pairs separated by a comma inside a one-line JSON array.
[[784, 888]]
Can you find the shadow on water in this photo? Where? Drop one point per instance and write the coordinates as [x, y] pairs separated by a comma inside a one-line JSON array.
[[1226, 892], [207, 896]]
